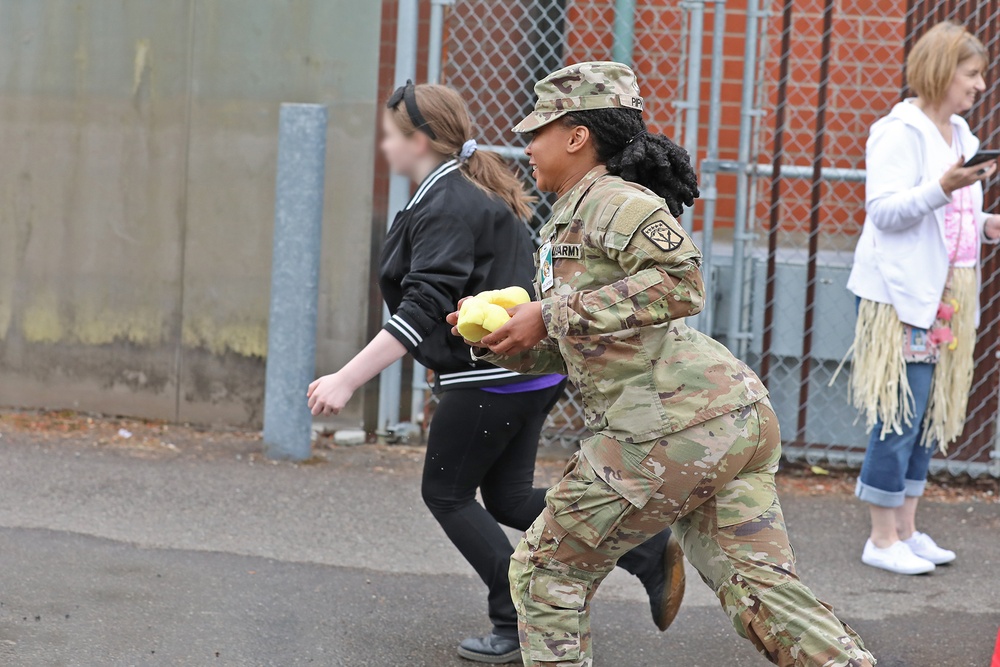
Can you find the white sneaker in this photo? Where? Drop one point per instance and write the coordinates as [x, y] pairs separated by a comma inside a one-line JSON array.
[[898, 558], [923, 546]]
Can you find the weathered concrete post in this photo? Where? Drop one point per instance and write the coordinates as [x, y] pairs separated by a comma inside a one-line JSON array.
[[291, 337]]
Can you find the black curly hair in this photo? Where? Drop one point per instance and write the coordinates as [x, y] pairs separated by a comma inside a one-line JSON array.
[[625, 147]]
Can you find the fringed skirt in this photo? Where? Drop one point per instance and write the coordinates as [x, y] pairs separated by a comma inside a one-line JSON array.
[[882, 347]]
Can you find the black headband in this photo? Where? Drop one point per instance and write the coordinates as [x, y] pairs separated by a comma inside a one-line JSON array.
[[406, 95]]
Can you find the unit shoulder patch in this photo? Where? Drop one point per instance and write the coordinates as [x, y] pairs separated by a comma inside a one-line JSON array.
[[663, 236]]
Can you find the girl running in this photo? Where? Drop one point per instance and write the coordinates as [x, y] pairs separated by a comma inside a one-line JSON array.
[[464, 232], [684, 435]]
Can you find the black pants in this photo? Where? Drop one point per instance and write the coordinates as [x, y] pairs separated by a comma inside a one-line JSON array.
[[489, 441]]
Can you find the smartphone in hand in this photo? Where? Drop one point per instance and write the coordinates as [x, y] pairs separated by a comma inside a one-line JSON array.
[[981, 157]]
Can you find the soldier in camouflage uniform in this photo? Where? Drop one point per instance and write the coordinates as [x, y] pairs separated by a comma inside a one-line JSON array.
[[684, 435]]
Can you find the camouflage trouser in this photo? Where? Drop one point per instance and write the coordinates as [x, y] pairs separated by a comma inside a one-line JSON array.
[[718, 493]]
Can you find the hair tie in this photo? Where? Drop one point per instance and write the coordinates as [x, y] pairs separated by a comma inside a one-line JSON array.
[[468, 148], [635, 136]]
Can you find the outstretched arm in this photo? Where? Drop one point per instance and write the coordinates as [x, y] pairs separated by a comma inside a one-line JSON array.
[[330, 393]]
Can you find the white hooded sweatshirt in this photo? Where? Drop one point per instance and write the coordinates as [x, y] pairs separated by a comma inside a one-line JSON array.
[[902, 257]]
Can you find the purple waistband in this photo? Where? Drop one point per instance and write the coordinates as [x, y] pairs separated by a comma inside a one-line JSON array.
[[534, 384]]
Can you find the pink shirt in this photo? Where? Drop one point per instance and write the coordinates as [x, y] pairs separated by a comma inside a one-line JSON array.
[[960, 230]]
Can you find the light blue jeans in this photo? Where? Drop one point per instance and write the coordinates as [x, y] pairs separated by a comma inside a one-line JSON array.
[[896, 468]]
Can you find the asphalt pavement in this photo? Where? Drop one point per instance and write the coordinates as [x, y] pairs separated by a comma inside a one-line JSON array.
[[202, 553]]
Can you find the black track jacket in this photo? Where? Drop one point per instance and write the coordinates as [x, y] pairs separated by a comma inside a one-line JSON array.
[[452, 240]]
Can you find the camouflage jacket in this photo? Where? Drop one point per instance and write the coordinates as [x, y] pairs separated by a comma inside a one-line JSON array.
[[624, 276]]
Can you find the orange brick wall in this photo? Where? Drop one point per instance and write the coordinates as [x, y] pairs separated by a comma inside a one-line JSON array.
[[489, 53], [658, 61], [865, 75], [380, 186], [490, 58]]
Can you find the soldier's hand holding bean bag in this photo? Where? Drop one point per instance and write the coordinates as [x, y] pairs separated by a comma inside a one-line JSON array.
[[486, 312]]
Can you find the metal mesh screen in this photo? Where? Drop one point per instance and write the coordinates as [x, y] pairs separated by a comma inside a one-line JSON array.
[[830, 70], [495, 51], [824, 71], [978, 446]]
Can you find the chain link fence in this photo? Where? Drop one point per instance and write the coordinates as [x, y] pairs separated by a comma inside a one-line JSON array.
[[495, 51], [830, 69], [774, 100]]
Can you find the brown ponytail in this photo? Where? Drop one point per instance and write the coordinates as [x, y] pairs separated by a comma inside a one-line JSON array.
[[447, 116]]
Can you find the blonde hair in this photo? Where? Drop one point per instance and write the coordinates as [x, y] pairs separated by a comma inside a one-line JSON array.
[[447, 116], [935, 57]]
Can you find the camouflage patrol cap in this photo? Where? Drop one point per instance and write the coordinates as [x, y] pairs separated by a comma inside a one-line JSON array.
[[594, 85]]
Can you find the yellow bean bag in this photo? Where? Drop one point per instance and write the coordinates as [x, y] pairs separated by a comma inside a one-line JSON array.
[[486, 312]]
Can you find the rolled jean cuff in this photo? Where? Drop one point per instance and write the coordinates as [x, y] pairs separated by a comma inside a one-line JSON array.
[[914, 488], [875, 496]]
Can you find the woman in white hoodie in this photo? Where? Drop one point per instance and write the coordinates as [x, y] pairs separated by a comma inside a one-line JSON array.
[[917, 276]]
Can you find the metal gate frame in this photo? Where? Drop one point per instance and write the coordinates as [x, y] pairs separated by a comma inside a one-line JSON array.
[[981, 439]]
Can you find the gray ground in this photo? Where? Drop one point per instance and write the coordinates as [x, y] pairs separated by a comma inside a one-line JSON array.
[[207, 555]]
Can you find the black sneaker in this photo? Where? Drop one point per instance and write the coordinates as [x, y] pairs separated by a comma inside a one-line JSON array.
[[493, 649]]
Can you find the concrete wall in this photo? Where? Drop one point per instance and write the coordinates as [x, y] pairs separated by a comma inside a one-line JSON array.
[[136, 196]]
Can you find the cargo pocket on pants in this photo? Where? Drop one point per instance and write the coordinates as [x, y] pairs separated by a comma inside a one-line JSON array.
[[586, 507], [555, 616]]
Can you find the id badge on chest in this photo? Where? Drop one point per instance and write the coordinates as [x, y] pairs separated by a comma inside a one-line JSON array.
[[545, 278]]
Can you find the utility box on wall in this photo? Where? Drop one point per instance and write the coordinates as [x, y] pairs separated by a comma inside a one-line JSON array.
[[832, 420]]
